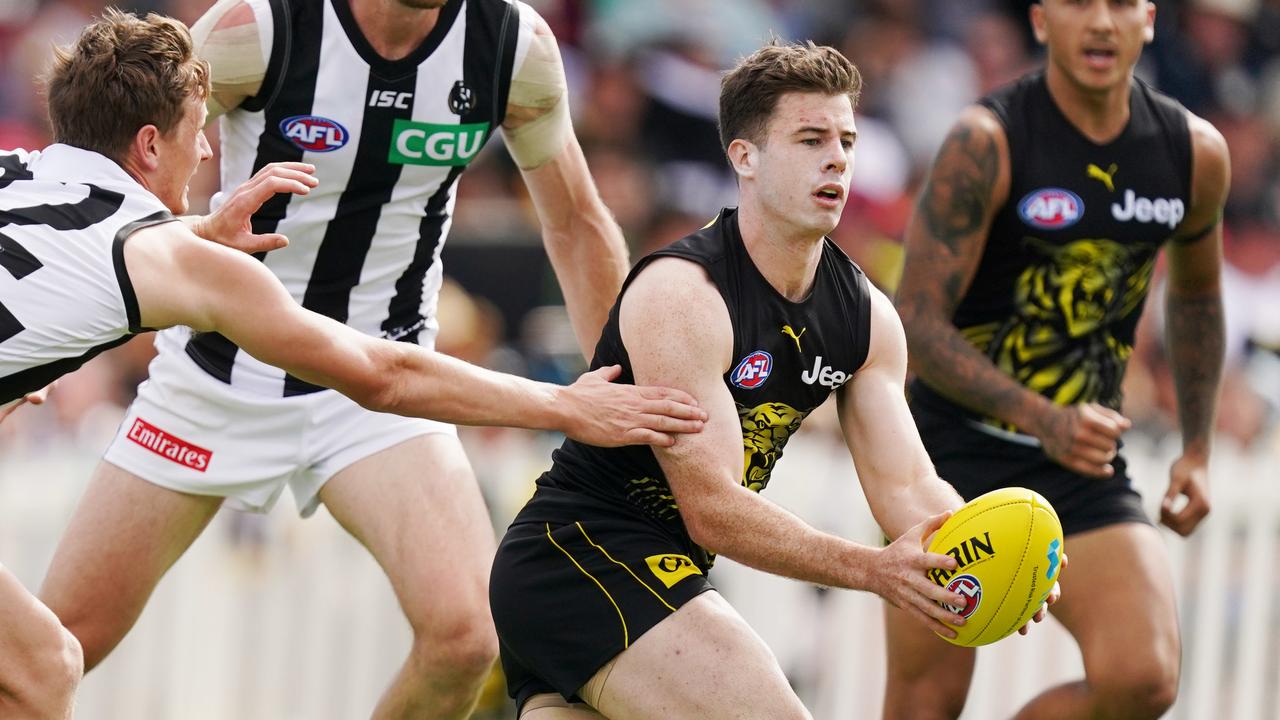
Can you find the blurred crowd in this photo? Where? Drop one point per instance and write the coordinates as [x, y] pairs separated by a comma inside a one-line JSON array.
[[644, 78]]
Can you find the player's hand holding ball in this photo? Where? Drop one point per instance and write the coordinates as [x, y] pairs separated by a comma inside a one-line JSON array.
[[1008, 551], [903, 573]]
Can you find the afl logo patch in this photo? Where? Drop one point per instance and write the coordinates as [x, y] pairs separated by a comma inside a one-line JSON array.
[[1051, 208], [314, 133], [462, 99], [753, 370], [969, 587]]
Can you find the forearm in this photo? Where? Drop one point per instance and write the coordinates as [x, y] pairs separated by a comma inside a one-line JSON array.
[[589, 256], [433, 385], [1196, 341], [946, 362], [904, 505], [745, 527]]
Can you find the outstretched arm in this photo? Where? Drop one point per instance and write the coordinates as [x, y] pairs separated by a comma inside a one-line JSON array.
[[945, 240], [687, 346], [182, 280], [583, 241], [1194, 325]]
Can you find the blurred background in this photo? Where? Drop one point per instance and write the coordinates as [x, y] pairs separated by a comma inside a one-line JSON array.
[[272, 617]]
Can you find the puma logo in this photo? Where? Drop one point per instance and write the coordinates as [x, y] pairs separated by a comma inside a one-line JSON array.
[[786, 330], [1103, 176]]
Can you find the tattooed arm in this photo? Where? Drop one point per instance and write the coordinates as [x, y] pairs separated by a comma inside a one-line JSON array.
[[1194, 324], [968, 183]]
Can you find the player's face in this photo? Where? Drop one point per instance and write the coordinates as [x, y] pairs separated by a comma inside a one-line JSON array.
[[1095, 42], [806, 160], [183, 148]]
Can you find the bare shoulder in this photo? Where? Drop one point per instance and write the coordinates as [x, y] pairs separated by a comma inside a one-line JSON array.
[[1210, 177], [968, 181], [1210, 157], [888, 342], [673, 305]]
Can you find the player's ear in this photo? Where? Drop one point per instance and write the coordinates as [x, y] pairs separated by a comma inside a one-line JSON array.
[[1149, 32], [1037, 22], [144, 149], [744, 156]]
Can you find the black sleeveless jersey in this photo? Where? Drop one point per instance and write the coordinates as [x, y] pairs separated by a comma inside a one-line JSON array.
[[1062, 280], [788, 357]]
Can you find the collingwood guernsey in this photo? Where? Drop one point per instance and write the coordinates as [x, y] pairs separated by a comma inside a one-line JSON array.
[[389, 140], [65, 294]]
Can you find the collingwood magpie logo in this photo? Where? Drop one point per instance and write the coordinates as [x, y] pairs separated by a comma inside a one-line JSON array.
[[462, 99]]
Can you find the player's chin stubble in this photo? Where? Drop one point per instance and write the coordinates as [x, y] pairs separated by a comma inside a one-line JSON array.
[[423, 4]]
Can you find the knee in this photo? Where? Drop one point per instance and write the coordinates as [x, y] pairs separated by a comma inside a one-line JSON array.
[[464, 648], [938, 694], [1146, 691], [50, 674]]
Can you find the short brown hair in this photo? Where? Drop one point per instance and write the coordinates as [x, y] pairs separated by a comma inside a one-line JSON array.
[[750, 91], [123, 73]]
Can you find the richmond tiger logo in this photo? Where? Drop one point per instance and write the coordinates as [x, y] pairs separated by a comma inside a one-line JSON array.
[[1061, 339], [765, 431]]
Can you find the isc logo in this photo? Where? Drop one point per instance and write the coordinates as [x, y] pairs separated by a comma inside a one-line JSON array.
[[314, 133], [753, 370], [1051, 208], [415, 143], [390, 98]]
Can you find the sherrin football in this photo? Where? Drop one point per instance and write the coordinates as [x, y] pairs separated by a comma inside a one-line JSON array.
[[1008, 546]]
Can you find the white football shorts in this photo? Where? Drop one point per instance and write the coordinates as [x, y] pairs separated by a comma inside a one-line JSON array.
[[190, 432]]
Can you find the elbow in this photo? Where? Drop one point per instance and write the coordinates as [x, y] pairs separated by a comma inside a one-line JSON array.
[[378, 388], [703, 529]]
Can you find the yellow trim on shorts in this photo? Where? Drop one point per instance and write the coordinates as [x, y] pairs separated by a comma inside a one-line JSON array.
[[624, 567], [626, 637]]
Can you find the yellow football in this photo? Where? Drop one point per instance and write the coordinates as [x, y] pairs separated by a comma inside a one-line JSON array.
[[1008, 546]]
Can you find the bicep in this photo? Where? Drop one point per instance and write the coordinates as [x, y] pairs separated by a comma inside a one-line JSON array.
[[878, 427], [183, 280], [686, 345], [1195, 252], [967, 183]]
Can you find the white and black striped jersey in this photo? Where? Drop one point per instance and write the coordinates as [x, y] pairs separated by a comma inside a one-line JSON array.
[[389, 140], [65, 294]]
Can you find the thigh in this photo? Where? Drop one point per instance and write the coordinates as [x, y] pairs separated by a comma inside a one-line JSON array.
[[124, 535], [568, 597], [701, 663], [418, 510], [1117, 599]]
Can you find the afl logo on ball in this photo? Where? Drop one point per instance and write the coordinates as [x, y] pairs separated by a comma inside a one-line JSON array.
[[753, 370], [462, 99], [314, 133], [1051, 208], [971, 589]]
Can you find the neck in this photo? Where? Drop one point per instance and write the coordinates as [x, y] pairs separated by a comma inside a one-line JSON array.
[[787, 256], [1100, 115], [393, 30], [132, 169]]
